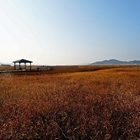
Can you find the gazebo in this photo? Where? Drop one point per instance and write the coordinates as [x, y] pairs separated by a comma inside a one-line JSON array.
[[19, 64]]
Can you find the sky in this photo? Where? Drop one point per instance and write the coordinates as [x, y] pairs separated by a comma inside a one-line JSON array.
[[69, 32]]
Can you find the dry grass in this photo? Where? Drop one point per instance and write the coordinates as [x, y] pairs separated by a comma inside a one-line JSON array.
[[99, 105]]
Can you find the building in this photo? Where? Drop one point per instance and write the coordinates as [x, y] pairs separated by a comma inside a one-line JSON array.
[[22, 61]]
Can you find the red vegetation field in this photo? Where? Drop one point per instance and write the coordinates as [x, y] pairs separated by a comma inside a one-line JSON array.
[[98, 105]]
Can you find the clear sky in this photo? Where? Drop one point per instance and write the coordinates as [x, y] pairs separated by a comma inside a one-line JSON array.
[[57, 32]]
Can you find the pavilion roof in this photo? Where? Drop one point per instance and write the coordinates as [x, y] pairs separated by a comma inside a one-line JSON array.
[[22, 61]]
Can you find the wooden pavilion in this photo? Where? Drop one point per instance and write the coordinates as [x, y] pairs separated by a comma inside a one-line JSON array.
[[24, 61]]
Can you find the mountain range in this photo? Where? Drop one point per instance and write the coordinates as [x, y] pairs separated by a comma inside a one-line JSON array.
[[116, 62]]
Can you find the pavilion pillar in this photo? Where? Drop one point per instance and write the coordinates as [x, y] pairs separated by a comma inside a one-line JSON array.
[[14, 66], [19, 66], [25, 66], [30, 66]]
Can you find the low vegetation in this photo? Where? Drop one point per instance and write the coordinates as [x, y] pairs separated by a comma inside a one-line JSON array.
[[96, 105]]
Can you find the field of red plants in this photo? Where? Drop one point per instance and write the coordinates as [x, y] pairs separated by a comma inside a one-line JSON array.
[[97, 105]]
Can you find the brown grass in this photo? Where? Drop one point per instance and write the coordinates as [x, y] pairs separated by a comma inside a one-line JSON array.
[[98, 105]]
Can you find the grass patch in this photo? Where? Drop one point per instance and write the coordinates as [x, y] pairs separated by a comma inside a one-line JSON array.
[[91, 105]]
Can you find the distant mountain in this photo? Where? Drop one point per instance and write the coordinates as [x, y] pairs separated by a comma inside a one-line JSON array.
[[116, 62]]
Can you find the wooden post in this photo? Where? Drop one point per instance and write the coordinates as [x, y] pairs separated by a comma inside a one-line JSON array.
[[14, 66], [30, 66]]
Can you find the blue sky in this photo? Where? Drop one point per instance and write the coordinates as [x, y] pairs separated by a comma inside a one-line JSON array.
[[67, 32]]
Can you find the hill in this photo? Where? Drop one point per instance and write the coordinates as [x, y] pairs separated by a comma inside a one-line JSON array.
[[116, 62]]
